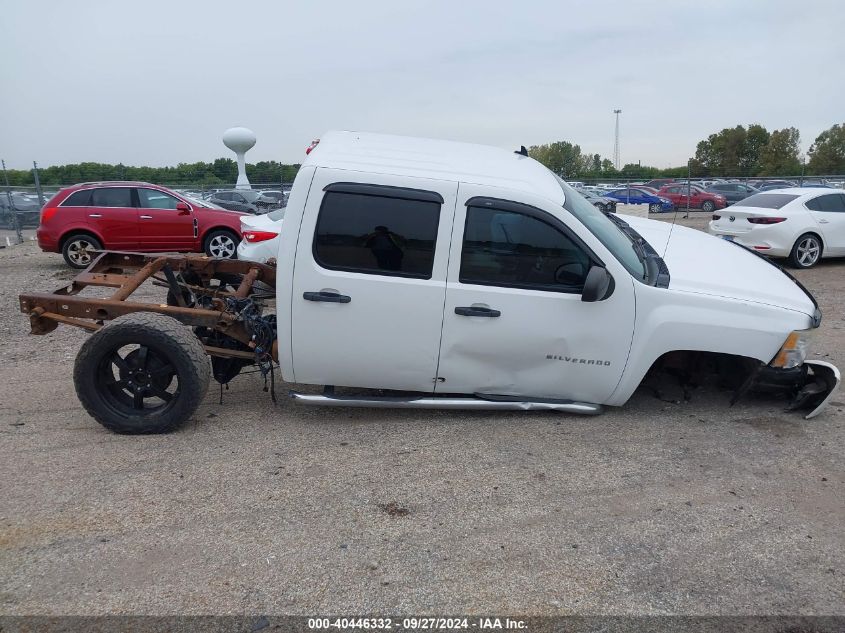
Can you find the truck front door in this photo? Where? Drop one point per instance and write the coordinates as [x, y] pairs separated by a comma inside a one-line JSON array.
[[514, 323], [369, 280]]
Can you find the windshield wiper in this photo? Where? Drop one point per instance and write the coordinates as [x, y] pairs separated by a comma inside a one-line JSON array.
[[654, 268], [637, 242]]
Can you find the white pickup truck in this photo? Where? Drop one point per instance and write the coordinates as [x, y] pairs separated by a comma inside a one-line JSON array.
[[442, 275]]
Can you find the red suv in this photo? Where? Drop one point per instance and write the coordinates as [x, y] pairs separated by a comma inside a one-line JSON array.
[[698, 198], [133, 216]]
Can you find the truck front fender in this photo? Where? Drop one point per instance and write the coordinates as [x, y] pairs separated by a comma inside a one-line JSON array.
[[684, 321]]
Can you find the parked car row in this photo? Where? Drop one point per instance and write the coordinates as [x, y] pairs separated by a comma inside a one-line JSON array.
[[640, 195], [245, 200], [803, 226], [718, 185], [683, 195], [605, 204], [778, 219], [801, 223], [27, 208]]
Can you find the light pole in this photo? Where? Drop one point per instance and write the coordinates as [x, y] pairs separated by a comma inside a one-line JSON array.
[[616, 141]]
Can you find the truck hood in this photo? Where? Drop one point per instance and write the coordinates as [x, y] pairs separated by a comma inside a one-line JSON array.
[[705, 264]]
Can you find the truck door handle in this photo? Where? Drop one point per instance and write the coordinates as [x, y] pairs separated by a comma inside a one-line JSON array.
[[330, 297], [95, 215], [477, 311], [146, 217]]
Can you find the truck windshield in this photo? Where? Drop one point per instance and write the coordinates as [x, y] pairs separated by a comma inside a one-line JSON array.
[[622, 245]]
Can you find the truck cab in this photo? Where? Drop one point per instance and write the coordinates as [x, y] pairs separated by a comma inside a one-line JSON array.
[[435, 267]]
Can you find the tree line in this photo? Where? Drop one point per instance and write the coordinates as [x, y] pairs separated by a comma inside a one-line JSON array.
[[739, 151], [222, 172]]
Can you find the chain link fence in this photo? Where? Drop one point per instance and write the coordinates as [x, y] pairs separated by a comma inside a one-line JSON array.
[[799, 180]]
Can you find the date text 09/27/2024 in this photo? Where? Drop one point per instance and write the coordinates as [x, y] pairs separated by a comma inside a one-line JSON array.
[[416, 624]]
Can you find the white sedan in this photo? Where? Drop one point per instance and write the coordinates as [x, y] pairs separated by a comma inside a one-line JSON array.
[[801, 224], [260, 236]]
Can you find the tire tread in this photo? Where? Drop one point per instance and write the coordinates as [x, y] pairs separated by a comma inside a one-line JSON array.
[[171, 334]]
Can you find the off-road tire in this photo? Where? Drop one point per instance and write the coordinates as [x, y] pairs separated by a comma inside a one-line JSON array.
[[169, 340], [208, 244], [72, 242], [797, 257], [707, 206]]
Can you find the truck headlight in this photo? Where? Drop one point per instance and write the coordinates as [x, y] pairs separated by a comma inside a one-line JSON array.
[[793, 351]]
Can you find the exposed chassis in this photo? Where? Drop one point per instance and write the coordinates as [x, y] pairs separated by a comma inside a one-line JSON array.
[[126, 272]]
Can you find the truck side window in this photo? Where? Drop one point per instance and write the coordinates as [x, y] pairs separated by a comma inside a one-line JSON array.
[[506, 248], [376, 235]]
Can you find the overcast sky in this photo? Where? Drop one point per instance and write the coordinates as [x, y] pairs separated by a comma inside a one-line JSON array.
[[157, 82]]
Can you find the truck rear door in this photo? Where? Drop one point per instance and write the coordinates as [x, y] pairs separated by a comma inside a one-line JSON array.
[[369, 280]]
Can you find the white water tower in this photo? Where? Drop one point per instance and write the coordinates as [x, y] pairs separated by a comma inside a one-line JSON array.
[[240, 140]]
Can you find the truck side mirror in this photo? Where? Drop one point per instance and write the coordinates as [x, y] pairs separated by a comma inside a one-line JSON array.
[[598, 285]]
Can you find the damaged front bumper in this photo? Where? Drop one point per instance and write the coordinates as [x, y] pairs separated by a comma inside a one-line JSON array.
[[811, 384]]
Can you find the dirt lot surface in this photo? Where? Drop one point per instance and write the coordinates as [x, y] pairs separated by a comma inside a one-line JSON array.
[[656, 507]]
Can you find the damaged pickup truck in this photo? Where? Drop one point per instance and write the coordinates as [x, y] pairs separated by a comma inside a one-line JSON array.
[[431, 274]]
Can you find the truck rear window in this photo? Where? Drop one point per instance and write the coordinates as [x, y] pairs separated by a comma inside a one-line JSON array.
[[767, 200], [376, 235]]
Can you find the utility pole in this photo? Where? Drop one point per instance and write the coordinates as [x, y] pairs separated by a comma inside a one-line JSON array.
[[616, 141]]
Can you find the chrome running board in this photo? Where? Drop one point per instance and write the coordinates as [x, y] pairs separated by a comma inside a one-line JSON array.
[[481, 402]]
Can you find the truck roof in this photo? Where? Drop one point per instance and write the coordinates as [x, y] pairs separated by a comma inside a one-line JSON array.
[[437, 159]]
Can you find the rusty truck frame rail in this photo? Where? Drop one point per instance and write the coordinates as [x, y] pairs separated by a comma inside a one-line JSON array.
[[127, 272]]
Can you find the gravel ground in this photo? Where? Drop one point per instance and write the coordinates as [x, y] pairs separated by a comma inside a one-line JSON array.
[[27, 234], [653, 508]]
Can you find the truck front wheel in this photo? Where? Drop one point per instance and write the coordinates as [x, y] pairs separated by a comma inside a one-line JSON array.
[[142, 373]]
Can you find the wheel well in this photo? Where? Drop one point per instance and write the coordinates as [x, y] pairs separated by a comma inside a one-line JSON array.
[[814, 234], [228, 229], [693, 366], [72, 232]]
